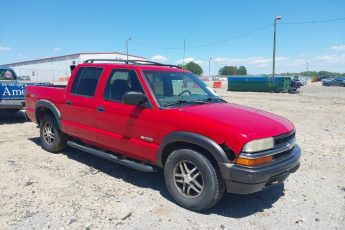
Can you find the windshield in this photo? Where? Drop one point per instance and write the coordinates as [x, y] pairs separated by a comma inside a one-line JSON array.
[[172, 89], [6, 74]]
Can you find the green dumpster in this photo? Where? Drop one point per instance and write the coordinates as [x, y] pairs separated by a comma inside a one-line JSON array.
[[259, 84]]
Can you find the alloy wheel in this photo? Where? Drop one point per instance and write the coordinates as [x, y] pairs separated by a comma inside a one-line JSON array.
[[188, 179]]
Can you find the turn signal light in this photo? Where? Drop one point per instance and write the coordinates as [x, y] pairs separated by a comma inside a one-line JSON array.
[[253, 162]]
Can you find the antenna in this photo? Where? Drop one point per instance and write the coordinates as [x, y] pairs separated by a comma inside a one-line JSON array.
[[184, 52]]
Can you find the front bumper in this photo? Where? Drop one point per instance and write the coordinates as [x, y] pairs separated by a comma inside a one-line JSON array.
[[243, 180]]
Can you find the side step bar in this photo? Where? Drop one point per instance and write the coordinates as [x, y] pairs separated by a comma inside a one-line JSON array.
[[111, 157]]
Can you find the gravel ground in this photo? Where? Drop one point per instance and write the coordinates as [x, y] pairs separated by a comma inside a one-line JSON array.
[[73, 190]]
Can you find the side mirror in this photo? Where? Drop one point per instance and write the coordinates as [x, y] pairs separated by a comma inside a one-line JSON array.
[[134, 98]]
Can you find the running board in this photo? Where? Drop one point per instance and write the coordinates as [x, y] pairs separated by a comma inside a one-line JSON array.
[[111, 157]]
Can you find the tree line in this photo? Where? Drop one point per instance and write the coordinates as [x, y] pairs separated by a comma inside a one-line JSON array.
[[242, 70], [318, 74], [233, 70], [226, 70]]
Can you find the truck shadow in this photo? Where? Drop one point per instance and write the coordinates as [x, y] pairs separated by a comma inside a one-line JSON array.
[[239, 206], [231, 205], [12, 118]]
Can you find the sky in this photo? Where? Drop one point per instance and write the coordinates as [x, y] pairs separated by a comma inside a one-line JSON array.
[[230, 32]]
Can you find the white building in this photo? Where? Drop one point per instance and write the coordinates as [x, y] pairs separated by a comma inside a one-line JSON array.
[[55, 69]]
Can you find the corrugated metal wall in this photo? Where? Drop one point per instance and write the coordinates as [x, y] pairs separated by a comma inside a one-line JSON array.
[[57, 69]]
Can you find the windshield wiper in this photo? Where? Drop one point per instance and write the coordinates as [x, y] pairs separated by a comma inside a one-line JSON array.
[[204, 101], [179, 102], [210, 99]]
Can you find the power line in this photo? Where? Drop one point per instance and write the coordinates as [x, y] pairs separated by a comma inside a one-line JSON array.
[[156, 47], [313, 22], [232, 38], [207, 44], [237, 36]]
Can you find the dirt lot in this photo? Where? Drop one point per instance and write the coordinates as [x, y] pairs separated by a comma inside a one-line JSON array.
[[73, 190]]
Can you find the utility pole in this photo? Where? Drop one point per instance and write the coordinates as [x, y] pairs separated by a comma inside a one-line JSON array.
[[184, 52], [307, 69], [274, 44], [127, 40], [209, 66]]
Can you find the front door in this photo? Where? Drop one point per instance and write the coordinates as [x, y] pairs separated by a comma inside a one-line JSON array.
[[126, 128]]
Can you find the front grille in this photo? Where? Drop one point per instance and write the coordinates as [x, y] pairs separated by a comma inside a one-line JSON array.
[[285, 138], [279, 155]]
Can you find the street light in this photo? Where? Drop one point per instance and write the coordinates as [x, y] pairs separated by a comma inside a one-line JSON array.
[[307, 69], [127, 40], [274, 44], [209, 67], [307, 66]]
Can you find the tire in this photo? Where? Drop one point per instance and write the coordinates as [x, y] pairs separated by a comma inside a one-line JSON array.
[[209, 185], [52, 139], [342, 85]]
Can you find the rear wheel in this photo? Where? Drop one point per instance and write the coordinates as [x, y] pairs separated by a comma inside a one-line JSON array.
[[192, 180], [342, 85], [52, 139]]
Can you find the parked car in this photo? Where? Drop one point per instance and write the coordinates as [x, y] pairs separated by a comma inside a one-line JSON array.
[[149, 115], [296, 84], [12, 92], [334, 82], [299, 80], [23, 78], [302, 81], [327, 79]]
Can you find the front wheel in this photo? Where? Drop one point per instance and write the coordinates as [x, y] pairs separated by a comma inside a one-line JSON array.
[[192, 180], [52, 139]]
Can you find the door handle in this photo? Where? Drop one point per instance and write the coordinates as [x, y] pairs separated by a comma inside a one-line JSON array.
[[68, 102], [100, 109]]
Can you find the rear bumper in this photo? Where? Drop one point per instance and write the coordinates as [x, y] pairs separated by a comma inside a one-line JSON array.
[[9, 107], [12, 104], [244, 180]]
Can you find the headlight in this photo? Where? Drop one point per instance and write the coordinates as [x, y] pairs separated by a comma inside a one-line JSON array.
[[259, 145]]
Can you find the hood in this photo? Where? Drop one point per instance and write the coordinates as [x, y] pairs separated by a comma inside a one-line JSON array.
[[233, 124]]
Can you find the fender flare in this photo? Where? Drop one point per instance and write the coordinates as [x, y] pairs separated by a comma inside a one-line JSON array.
[[48, 105], [192, 138]]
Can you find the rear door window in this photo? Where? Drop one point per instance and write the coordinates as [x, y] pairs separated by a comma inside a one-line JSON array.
[[119, 82], [86, 80]]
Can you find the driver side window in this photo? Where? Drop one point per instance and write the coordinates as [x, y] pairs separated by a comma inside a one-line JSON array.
[[119, 82]]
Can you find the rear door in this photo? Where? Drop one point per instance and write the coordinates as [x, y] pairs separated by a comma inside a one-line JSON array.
[[125, 128], [79, 111]]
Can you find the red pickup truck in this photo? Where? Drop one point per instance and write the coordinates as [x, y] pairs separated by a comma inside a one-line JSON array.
[[149, 115]]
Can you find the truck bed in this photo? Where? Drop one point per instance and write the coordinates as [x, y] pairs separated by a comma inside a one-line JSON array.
[[52, 93]]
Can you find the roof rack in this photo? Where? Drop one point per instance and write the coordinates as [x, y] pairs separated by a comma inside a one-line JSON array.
[[133, 62]]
